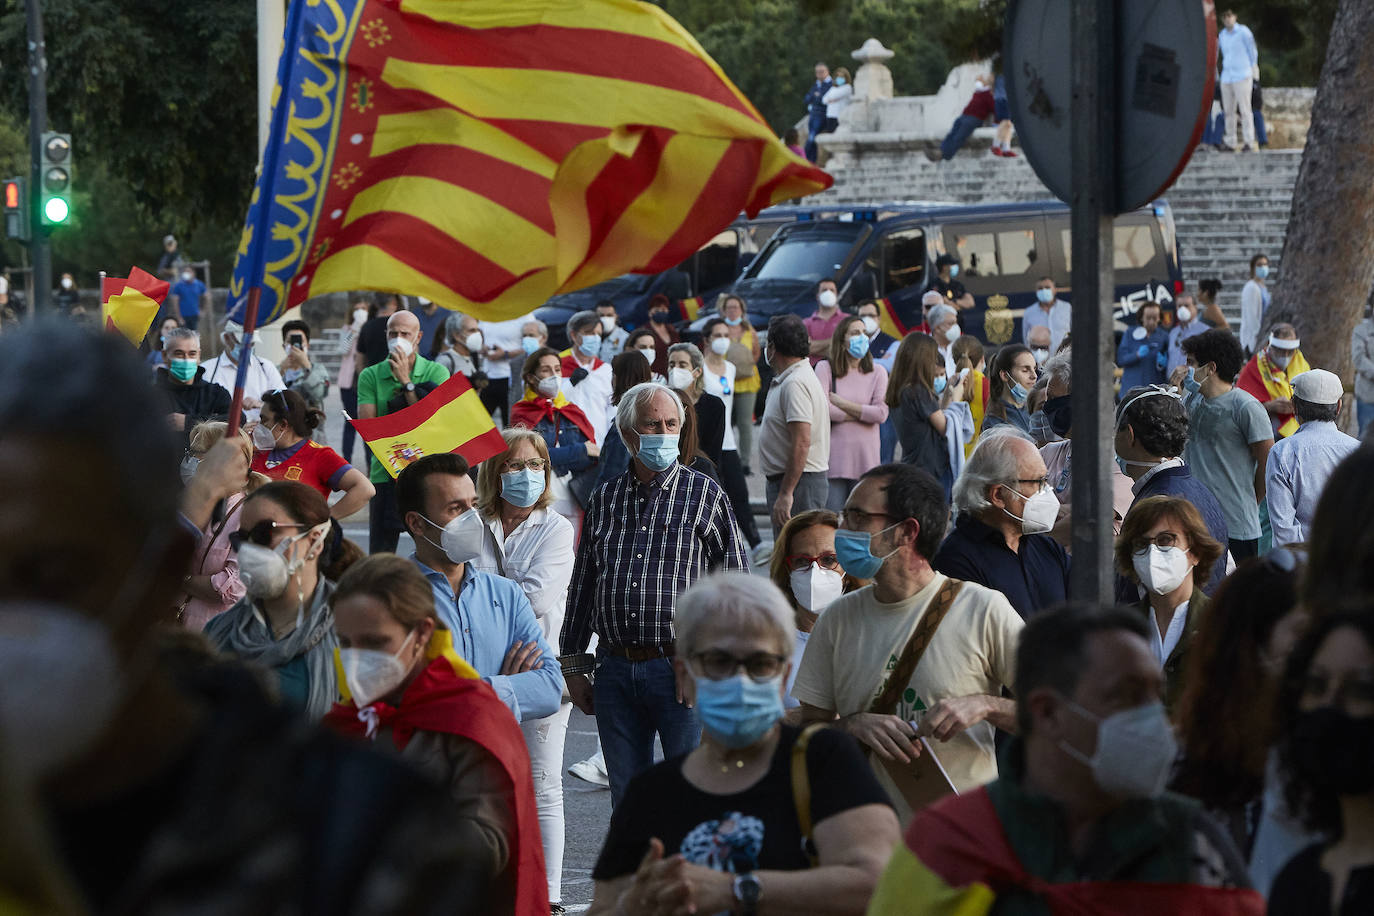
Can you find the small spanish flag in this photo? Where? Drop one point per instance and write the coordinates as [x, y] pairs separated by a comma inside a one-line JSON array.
[[450, 418], [129, 306], [889, 322], [690, 308]]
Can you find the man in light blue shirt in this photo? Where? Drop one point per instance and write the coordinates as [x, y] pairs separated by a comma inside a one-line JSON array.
[[1300, 464], [493, 625], [1188, 325], [1239, 70], [1049, 311]]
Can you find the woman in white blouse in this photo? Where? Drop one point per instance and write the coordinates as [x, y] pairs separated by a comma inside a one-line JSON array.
[[837, 99], [533, 547]]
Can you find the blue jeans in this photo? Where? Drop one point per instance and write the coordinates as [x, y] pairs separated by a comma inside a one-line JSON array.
[[887, 440], [634, 700], [958, 135], [815, 121], [1364, 413]]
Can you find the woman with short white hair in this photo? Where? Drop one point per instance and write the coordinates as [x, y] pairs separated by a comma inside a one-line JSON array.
[[728, 806]]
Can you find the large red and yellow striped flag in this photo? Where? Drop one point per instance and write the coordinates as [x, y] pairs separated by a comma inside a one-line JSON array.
[[487, 154], [450, 418]]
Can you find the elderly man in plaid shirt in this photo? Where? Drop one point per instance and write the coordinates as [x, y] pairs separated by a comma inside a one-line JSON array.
[[647, 536]]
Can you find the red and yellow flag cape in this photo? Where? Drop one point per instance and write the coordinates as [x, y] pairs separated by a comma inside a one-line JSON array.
[[129, 306]]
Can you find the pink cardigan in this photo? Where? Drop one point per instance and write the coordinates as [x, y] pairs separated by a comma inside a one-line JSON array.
[[854, 444], [214, 557]]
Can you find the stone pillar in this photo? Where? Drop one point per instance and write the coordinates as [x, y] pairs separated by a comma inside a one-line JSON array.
[[874, 80]]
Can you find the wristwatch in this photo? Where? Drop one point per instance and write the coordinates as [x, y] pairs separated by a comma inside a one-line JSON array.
[[410, 386], [747, 891]]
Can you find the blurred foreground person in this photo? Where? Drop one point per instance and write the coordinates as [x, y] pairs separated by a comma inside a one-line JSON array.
[[741, 839], [165, 785], [407, 690], [1078, 821], [1326, 720]]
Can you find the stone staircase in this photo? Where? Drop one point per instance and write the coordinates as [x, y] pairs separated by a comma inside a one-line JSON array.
[[1227, 206]]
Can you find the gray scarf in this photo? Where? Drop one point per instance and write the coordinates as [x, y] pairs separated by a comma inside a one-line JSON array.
[[243, 631]]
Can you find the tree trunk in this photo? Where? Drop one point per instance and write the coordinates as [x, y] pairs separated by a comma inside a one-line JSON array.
[[1328, 255]]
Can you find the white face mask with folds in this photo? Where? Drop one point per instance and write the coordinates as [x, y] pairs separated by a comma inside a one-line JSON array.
[[372, 674], [815, 588], [1161, 569]]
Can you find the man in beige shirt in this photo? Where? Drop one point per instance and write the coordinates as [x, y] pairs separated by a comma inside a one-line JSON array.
[[794, 437], [895, 519]]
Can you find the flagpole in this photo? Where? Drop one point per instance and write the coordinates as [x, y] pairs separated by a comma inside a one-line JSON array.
[[269, 174]]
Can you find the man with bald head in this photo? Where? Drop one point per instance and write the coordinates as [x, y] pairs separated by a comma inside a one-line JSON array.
[[1269, 377], [394, 384]]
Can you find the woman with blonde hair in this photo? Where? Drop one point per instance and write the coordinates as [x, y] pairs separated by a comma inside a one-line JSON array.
[[744, 353], [212, 584], [533, 547]]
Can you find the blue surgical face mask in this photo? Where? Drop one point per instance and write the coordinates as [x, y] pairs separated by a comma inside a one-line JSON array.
[[1262, 271], [183, 370], [590, 344], [854, 549], [939, 384], [739, 710], [839, 81], [858, 346], [1018, 393], [953, 270], [658, 452], [1045, 295], [734, 322], [529, 344], [522, 488]]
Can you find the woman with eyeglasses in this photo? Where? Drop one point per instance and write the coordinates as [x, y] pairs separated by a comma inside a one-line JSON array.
[[807, 571], [285, 451], [533, 547], [212, 584], [290, 553], [1326, 754], [725, 829], [1164, 547]]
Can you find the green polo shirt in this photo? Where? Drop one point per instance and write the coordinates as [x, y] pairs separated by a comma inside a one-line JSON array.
[[376, 385]]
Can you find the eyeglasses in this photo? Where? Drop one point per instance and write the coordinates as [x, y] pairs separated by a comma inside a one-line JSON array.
[[260, 534], [1163, 540], [800, 561], [854, 518], [716, 665], [532, 464]]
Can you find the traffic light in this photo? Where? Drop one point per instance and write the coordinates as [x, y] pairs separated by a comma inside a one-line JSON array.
[[16, 209], [55, 206]]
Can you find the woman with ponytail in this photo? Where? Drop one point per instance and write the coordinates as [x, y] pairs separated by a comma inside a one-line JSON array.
[[285, 451]]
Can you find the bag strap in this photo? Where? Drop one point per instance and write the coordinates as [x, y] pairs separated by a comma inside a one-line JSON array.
[[916, 647], [801, 789]]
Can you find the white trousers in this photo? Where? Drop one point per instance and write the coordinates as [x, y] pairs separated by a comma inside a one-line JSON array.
[[545, 739], [1235, 102]]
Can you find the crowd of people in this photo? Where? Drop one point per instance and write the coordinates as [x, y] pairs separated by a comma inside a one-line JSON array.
[[889, 706]]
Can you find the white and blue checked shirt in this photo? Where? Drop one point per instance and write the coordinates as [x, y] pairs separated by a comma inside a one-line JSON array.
[[642, 545]]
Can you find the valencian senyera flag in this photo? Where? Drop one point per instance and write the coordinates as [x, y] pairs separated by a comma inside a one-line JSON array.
[[128, 307], [450, 418], [487, 154]]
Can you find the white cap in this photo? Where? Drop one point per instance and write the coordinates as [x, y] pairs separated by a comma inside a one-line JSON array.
[[1317, 386], [168, 239], [1284, 343]]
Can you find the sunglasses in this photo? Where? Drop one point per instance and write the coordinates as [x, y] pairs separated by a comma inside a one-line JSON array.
[[260, 534]]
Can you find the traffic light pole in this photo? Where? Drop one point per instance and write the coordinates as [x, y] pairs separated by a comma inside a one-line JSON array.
[[39, 249]]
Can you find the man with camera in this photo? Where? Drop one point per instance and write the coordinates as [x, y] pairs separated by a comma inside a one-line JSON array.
[[308, 379]]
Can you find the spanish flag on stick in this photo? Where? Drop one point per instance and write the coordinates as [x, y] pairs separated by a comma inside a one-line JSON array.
[[490, 153], [889, 321], [450, 418], [129, 306], [690, 308]]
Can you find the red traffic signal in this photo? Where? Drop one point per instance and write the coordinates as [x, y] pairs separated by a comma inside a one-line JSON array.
[[13, 195]]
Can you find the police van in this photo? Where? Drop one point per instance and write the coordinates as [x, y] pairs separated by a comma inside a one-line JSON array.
[[889, 252]]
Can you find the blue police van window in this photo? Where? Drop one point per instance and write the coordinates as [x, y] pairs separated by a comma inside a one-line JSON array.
[[805, 258]]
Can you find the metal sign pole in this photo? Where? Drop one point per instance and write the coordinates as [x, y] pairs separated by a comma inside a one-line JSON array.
[[1093, 151], [39, 247]]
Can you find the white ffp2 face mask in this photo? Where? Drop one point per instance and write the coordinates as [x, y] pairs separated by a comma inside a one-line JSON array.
[[461, 540], [1161, 569], [827, 298], [371, 674], [1135, 750], [815, 588], [1040, 512], [680, 378]]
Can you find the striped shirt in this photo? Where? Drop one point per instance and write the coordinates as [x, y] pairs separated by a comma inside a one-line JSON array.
[[642, 545]]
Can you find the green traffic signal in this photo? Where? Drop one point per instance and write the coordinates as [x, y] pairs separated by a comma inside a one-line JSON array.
[[56, 210], [56, 203]]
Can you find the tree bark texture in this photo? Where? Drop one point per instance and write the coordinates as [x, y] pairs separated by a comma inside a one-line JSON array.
[[1328, 254]]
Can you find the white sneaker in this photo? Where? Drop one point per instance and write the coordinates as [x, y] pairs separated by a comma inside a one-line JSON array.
[[761, 554], [592, 770]]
